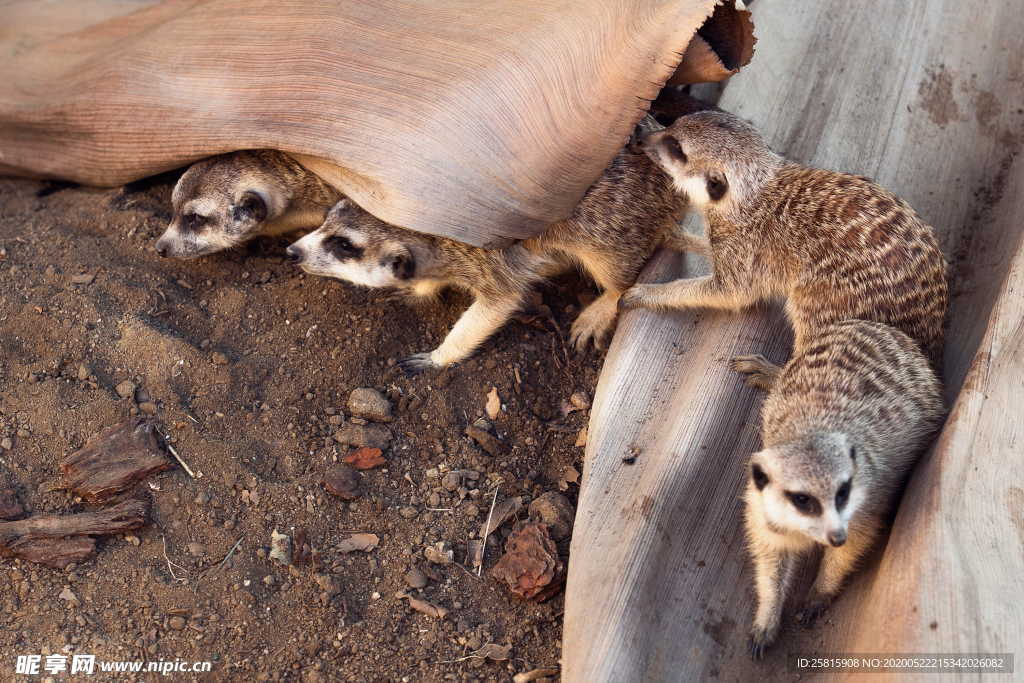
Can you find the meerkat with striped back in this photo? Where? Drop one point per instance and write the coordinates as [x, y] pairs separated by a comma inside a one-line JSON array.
[[843, 424], [615, 228], [835, 246]]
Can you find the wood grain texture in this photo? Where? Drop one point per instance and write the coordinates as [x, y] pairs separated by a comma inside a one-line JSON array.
[[926, 97], [477, 120]]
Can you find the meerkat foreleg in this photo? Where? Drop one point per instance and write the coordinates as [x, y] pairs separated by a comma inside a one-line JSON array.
[[774, 571], [482, 319], [697, 292], [837, 564], [761, 372]]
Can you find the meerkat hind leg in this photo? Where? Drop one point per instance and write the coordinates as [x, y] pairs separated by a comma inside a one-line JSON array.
[[482, 319], [837, 564], [761, 372], [595, 321]]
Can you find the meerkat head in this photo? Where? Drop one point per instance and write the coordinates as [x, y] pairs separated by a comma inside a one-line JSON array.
[[355, 246], [220, 203], [718, 160], [806, 487]]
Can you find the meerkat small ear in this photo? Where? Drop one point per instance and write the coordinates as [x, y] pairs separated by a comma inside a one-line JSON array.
[[758, 476], [403, 266], [717, 186], [250, 207]]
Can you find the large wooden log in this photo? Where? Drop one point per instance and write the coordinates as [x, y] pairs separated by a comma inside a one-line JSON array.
[[478, 120], [925, 97]]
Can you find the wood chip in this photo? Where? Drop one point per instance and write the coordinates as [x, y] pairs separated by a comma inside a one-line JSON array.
[[115, 460], [536, 674], [494, 652], [581, 438], [58, 540], [485, 440]]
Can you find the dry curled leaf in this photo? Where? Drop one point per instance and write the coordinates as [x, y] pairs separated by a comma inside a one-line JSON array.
[[493, 407], [364, 542], [503, 511], [568, 476], [425, 607], [365, 458]]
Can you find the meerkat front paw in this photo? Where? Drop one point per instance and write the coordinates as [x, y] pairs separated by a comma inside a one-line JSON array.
[[761, 640], [418, 363], [761, 372], [595, 323], [637, 296]]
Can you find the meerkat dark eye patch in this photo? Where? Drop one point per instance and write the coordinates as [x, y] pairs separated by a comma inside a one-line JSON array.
[[192, 222], [758, 476], [843, 495], [853, 453], [250, 207], [341, 248], [805, 504], [402, 265], [717, 187], [674, 149]]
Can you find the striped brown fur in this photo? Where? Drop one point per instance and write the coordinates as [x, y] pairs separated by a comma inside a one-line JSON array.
[[855, 406], [615, 228], [835, 246]]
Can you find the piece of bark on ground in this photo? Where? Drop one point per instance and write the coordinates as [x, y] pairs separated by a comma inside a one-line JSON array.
[[531, 567], [58, 540], [115, 460], [10, 508]]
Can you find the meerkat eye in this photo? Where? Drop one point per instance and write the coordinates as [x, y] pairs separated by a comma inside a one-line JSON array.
[[843, 495], [341, 248], [717, 187], [758, 476], [806, 504], [675, 150], [192, 222]]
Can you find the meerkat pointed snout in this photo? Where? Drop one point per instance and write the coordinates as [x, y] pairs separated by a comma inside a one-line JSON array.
[[224, 201], [843, 424]]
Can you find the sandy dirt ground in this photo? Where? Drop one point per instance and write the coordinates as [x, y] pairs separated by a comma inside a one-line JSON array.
[[249, 365]]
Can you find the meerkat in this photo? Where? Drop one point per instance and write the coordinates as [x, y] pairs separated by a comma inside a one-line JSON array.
[[835, 246], [226, 200], [843, 424], [615, 228]]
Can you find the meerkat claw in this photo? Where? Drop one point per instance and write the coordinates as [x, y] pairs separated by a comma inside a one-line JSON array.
[[761, 372], [760, 641], [417, 364]]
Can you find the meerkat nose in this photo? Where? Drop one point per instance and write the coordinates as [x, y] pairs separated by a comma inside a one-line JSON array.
[[161, 249], [294, 254], [837, 538]]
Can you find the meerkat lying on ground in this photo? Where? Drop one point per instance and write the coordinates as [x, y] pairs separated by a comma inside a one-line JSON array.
[[229, 199], [844, 422], [615, 228], [836, 246]]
